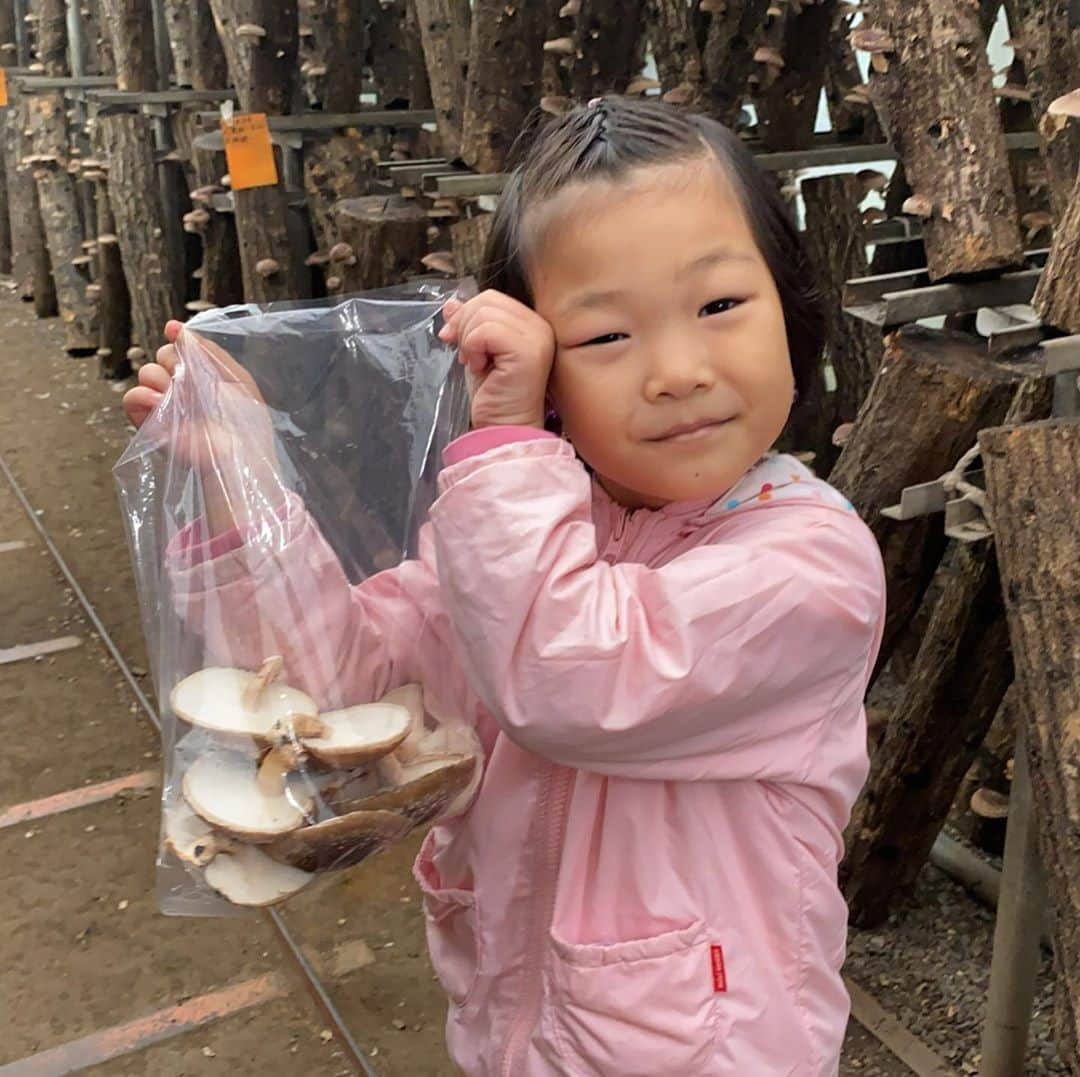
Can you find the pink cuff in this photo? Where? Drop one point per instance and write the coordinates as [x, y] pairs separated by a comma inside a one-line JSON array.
[[489, 437], [192, 546]]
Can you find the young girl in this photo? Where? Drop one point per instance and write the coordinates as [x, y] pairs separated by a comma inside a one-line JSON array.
[[661, 633]]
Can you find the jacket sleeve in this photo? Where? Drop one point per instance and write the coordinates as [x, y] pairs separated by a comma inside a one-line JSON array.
[[724, 663], [284, 592]]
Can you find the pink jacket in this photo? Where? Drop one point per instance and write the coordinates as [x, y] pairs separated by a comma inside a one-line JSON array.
[[670, 703]]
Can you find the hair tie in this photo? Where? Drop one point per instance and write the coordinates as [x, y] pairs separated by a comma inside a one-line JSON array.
[[594, 101]]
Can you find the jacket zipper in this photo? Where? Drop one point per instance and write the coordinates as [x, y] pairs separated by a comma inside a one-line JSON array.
[[556, 797]]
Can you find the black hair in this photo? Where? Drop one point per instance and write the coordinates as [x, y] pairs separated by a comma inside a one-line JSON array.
[[613, 135]]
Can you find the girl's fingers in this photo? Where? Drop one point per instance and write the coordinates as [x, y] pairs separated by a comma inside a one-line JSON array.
[[166, 357], [139, 403], [155, 376], [172, 330]]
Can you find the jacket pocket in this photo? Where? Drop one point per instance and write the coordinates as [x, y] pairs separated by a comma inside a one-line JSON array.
[[452, 927], [637, 1008]]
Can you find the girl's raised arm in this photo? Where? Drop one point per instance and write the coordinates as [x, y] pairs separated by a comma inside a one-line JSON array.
[[725, 663]]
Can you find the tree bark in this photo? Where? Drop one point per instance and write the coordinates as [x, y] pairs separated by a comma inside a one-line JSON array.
[[1051, 58], [834, 240], [57, 194], [197, 54], [262, 70], [933, 392], [127, 144], [99, 53], [61, 218], [955, 687], [1057, 297], [388, 51], [1030, 472], [727, 57], [989, 770], [30, 255], [132, 30], [52, 41], [503, 85], [8, 50], [857, 122], [676, 49], [469, 237], [336, 167], [114, 307], [933, 92], [387, 237], [608, 47], [788, 108], [444, 35], [333, 66]]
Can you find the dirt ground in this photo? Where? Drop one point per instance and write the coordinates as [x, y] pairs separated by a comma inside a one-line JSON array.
[[85, 948]]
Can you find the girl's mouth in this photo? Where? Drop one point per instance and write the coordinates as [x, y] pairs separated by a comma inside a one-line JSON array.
[[693, 431]]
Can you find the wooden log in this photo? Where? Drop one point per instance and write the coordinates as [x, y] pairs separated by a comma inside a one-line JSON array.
[[8, 52], [30, 254], [262, 68], [126, 141], [99, 54], [955, 687], [52, 38], [1057, 297], [989, 770], [220, 276], [333, 67], [444, 36], [198, 57], [1031, 475], [705, 59], [854, 120], [58, 198], [834, 240], [469, 237], [503, 82], [60, 216], [388, 52], [609, 48], [931, 84], [933, 392], [114, 337], [419, 85], [1050, 52], [131, 33], [336, 167], [788, 106], [387, 237]]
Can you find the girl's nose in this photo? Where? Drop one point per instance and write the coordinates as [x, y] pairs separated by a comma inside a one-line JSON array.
[[678, 368]]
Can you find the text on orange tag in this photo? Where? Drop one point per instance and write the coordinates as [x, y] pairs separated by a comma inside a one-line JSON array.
[[248, 151]]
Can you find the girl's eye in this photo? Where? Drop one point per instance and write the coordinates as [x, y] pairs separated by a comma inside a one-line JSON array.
[[718, 306], [605, 338]]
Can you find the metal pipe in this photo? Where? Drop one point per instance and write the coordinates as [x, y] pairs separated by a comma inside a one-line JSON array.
[[22, 38], [1021, 908]]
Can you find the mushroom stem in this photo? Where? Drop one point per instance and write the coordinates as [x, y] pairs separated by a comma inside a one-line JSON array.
[[269, 671], [275, 769]]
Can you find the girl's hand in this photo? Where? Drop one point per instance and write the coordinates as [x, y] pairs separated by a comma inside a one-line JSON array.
[[235, 454], [507, 349]]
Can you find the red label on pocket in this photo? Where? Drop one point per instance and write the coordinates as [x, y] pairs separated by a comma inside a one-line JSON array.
[[719, 976]]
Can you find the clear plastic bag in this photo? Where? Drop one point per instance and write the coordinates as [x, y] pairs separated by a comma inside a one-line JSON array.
[[298, 444]]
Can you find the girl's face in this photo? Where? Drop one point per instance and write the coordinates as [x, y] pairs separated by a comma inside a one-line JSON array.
[[672, 374]]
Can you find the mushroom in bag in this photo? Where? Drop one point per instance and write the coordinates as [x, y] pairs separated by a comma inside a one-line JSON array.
[[224, 789], [246, 876]]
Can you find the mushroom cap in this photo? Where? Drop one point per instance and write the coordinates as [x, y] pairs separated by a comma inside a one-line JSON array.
[[339, 842], [246, 876], [355, 735], [188, 836], [213, 698], [223, 787], [990, 804], [411, 697], [428, 788]]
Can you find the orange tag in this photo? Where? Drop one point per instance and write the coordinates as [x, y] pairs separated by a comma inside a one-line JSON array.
[[3, 88], [248, 151]]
